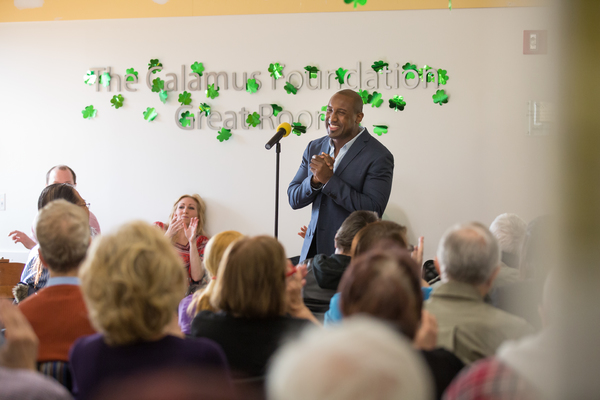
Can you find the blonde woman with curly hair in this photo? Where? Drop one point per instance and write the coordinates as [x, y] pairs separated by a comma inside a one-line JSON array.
[[185, 230], [194, 303], [132, 281]]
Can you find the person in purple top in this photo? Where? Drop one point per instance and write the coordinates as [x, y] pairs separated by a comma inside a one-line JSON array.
[[132, 282]]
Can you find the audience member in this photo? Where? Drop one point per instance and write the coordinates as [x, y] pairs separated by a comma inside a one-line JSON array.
[[325, 272], [258, 304], [509, 230], [35, 275], [199, 301], [57, 313], [17, 361], [56, 174], [385, 284], [132, 282], [185, 229], [468, 257], [362, 359]]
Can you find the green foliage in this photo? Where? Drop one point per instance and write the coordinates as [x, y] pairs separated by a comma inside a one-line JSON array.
[[364, 95], [117, 101], [154, 63], [186, 118], [185, 98], [197, 68], [397, 103], [380, 129], [312, 70], [211, 92], [440, 97], [224, 134], [158, 85], [290, 89], [276, 109], [410, 66], [378, 66], [89, 112], [253, 119], [205, 108], [251, 86], [298, 128], [150, 114], [105, 79], [356, 2], [89, 78], [340, 74], [275, 70], [131, 71], [375, 99], [163, 95]]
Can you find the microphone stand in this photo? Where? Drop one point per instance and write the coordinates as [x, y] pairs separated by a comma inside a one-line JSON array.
[[277, 151]]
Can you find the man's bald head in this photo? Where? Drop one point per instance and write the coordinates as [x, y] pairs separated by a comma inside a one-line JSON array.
[[356, 99]]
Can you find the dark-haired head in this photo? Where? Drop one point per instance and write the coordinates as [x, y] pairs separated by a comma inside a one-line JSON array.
[[376, 233], [350, 227], [60, 191]]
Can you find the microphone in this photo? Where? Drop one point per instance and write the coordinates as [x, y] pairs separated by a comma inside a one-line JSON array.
[[283, 130]]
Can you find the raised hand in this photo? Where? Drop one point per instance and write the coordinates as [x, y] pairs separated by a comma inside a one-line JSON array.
[[302, 232], [321, 167], [21, 237], [175, 226], [190, 231]]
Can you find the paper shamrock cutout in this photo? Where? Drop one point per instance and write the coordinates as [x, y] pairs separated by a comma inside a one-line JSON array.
[[89, 78], [312, 70], [89, 112], [205, 108], [154, 63], [356, 2], [397, 103], [378, 66], [251, 86], [443, 76], [185, 98], [158, 85], [324, 108], [253, 119], [424, 69], [440, 97], [131, 71], [150, 114], [162, 95], [197, 68], [450, 5], [291, 89], [211, 92], [340, 74], [276, 109], [298, 128], [380, 129], [408, 66], [364, 95], [375, 99], [276, 70], [224, 134], [105, 79], [186, 118], [117, 101]]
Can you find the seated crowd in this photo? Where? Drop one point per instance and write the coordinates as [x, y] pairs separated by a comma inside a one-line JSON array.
[[164, 312]]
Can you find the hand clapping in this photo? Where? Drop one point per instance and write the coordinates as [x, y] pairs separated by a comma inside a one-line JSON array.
[[321, 166]]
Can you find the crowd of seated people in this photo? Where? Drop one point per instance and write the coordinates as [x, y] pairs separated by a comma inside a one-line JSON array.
[[144, 312]]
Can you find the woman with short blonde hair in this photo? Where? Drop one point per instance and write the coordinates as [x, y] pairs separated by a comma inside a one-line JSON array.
[[132, 281]]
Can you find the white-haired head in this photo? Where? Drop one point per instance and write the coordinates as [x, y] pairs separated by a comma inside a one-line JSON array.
[[510, 231], [468, 253], [362, 359]]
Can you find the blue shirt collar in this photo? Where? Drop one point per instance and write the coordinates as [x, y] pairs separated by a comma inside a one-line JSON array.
[[63, 280]]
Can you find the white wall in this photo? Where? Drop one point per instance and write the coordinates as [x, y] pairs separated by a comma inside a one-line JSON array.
[[468, 160]]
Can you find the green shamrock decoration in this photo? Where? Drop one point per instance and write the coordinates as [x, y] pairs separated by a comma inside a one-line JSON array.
[[312, 70], [408, 66], [290, 89], [105, 79], [205, 108], [440, 97], [162, 95], [251, 86], [340, 74], [89, 78], [364, 94], [154, 63], [397, 103], [89, 112], [425, 68], [376, 100], [117, 101], [298, 128], [197, 68], [450, 5], [276, 109], [276, 70], [150, 114], [185, 98], [158, 85], [442, 76], [224, 134], [211, 92], [253, 119], [380, 129], [356, 2], [378, 66], [324, 108], [131, 71], [186, 118]]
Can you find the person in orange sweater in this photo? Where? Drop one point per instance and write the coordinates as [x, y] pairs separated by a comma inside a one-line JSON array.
[[57, 312]]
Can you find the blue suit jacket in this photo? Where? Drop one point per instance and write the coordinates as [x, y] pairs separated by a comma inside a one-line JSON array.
[[362, 181]]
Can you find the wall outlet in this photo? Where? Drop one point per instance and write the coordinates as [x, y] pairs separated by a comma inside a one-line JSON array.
[[3, 202], [535, 42]]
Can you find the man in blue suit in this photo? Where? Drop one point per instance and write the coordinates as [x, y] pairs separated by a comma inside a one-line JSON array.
[[345, 171]]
